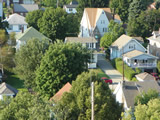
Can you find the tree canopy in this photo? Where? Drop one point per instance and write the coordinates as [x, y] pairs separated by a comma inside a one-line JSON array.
[[3, 37], [115, 30], [33, 17], [76, 104], [57, 24], [28, 58], [26, 107], [149, 111], [60, 64]]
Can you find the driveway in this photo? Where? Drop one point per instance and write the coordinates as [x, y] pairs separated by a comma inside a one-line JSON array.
[[115, 75]]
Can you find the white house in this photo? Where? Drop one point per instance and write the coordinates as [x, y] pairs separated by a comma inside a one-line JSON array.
[[24, 1], [133, 53], [16, 23], [71, 8], [90, 43], [126, 92], [96, 21], [154, 44], [7, 90], [1, 8], [30, 33]]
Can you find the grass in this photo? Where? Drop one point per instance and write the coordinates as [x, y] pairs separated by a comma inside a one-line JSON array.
[[14, 81], [100, 73]]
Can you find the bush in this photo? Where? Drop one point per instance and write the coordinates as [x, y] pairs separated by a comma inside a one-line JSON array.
[[138, 70], [134, 79], [129, 73]]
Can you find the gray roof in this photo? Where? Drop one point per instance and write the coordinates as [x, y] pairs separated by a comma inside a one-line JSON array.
[[132, 89], [145, 76], [16, 19], [7, 89], [71, 6], [24, 8], [80, 40]]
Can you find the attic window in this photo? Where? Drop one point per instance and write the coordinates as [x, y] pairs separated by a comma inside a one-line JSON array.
[[102, 12]]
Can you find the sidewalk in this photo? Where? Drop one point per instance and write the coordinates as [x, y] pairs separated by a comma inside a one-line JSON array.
[[115, 75]]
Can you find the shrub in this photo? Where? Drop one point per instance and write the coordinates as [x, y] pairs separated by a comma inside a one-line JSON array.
[[138, 70], [129, 73], [134, 79]]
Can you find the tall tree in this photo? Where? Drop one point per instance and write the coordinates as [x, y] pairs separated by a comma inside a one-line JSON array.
[[115, 30], [76, 105], [33, 17], [61, 64], [53, 23], [3, 37], [149, 111], [28, 58], [121, 8], [26, 107]]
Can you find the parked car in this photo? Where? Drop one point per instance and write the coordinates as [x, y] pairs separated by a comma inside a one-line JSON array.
[[155, 75], [107, 80]]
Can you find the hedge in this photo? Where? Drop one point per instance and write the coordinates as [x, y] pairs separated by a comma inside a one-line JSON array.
[[129, 73]]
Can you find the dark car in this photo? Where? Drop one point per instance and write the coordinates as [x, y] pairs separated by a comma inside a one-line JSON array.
[[107, 80], [155, 75]]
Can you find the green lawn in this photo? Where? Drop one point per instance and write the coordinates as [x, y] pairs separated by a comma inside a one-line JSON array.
[[14, 81], [100, 73]]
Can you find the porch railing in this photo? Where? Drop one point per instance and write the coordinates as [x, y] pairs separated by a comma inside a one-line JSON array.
[[144, 65]]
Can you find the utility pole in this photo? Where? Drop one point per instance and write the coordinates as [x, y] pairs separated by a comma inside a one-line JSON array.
[[92, 100]]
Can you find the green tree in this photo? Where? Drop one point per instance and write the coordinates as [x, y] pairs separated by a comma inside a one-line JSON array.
[[12, 38], [33, 17], [26, 107], [3, 37], [149, 111], [61, 64], [53, 23], [145, 97], [115, 30], [121, 8], [28, 58], [76, 105], [157, 4]]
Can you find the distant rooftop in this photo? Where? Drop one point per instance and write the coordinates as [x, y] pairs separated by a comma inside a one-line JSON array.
[[145, 76], [19, 8], [80, 40], [16, 19], [6, 89]]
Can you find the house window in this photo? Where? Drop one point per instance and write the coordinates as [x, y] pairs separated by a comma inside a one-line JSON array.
[[10, 27], [70, 9], [105, 29], [102, 12], [20, 27], [157, 54], [131, 46]]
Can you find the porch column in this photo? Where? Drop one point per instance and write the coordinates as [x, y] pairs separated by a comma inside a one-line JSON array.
[[94, 45]]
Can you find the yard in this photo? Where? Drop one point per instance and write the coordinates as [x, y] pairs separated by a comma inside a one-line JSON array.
[[14, 81], [100, 73]]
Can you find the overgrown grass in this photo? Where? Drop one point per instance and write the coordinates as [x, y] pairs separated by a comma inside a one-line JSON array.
[[100, 73], [14, 81]]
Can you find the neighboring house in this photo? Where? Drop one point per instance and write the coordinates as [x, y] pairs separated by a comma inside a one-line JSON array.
[[133, 54], [152, 6], [23, 9], [154, 44], [7, 90], [24, 1], [123, 45], [126, 92], [96, 21], [28, 34], [144, 77], [58, 95], [90, 43], [1, 8], [71, 8], [16, 23]]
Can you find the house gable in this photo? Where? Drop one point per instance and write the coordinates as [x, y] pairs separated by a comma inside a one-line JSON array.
[[133, 45]]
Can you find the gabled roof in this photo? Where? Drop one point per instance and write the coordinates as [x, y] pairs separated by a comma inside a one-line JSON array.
[[94, 13], [65, 88], [70, 6], [132, 89], [145, 76], [80, 40], [155, 37], [123, 40], [7, 89], [136, 53], [29, 34], [24, 8], [16, 19]]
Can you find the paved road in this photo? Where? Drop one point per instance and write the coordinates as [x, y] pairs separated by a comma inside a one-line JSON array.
[[115, 75]]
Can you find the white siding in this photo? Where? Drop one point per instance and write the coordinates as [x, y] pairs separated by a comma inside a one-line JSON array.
[[71, 10], [1, 10], [102, 23], [15, 28], [28, 1]]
